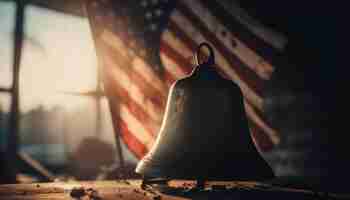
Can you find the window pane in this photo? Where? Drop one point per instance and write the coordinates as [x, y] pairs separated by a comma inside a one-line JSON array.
[[58, 62], [58, 127], [7, 16], [58, 56], [4, 115]]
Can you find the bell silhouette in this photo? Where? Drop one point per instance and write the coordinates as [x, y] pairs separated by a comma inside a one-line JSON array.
[[204, 133]]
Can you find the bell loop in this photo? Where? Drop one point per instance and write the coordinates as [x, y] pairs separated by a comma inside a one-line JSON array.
[[211, 57]]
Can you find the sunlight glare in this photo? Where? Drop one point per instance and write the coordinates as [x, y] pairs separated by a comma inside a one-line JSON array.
[[58, 57]]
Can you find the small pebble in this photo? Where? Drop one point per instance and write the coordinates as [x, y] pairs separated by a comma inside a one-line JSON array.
[[136, 190], [77, 193], [158, 197]]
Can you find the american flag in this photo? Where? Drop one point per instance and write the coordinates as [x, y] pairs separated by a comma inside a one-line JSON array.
[[143, 46]]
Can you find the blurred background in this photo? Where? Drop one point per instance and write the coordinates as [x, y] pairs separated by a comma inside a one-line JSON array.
[[62, 120]]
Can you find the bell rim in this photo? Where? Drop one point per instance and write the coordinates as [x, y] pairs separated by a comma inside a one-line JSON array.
[[147, 169]]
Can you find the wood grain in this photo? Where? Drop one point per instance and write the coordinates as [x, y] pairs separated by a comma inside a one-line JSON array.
[[130, 190]]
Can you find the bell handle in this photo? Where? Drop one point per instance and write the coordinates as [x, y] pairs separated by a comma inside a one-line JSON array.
[[211, 58]]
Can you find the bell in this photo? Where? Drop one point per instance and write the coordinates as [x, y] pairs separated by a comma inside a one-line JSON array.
[[204, 133]]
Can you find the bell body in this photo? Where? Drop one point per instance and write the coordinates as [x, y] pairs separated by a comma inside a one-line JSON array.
[[204, 133]]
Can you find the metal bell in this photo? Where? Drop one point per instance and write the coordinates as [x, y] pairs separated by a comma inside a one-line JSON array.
[[204, 133]]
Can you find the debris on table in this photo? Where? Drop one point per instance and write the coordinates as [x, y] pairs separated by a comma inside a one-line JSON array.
[[78, 193], [177, 190], [157, 197]]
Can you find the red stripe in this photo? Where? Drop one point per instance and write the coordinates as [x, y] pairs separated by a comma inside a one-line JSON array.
[[182, 35], [242, 69], [121, 128], [124, 64], [260, 114], [166, 76], [192, 46], [135, 109], [169, 79], [243, 33], [182, 62], [263, 142], [133, 143]]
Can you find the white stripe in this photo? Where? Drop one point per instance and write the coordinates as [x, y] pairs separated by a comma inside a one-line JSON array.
[[221, 61], [133, 90], [135, 127], [274, 136], [172, 66], [176, 43], [252, 60], [109, 38], [275, 39], [145, 70]]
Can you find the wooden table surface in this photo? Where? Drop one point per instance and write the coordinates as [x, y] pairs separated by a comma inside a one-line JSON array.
[[130, 190]]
